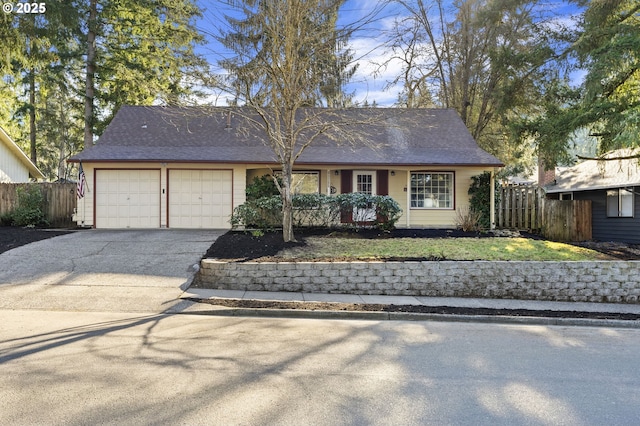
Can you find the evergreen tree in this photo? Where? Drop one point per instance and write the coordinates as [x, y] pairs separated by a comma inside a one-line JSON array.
[[609, 49], [144, 50], [607, 102]]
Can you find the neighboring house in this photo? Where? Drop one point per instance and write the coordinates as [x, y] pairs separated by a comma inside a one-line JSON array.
[[612, 186], [535, 177], [157, 167], [15, 166]]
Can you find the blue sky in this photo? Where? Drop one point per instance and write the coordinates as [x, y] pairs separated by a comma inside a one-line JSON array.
[[366, 44], [370, 81]]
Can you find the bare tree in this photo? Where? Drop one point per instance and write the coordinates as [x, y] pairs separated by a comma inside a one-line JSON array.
[[485, 59], [282, 53], [410, 47]]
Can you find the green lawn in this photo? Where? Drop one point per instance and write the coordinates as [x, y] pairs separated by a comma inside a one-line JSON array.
[[447, 248]]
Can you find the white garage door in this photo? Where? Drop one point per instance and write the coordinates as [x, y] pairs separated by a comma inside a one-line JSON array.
[[200, 198], [127, 199]]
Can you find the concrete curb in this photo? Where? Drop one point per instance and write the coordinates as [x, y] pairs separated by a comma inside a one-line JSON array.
[[405, 316]]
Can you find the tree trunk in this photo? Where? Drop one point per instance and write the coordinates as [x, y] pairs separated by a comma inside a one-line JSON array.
[[91, 69], [287, 220], [63, 142], [32, 115], [287, 204]]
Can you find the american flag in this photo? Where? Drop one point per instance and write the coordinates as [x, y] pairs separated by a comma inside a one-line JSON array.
[[82, 182]]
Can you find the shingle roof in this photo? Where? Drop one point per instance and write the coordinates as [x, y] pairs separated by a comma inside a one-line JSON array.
[[375, 136], [593, 174]]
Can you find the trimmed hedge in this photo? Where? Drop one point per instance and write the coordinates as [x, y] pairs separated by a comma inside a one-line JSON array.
[[319, 210]]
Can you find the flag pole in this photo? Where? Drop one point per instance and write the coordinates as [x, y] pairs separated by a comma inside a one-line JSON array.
[[82, 185]]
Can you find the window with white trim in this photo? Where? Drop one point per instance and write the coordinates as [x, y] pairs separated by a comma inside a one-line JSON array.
[[620, 202], [566, 195], [432, 190], [305, 182]]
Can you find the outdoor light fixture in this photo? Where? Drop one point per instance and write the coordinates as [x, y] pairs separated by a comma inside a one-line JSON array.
[[393, 172], [337, 172]]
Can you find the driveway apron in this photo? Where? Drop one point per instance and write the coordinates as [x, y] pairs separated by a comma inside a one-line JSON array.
[[104, 270]]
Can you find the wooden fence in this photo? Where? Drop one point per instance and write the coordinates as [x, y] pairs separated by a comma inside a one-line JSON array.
[[526, 208], [519, 207], [566, 220], [60, 201]]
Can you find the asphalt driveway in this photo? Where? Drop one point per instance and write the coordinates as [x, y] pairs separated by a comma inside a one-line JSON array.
[[104, 270]]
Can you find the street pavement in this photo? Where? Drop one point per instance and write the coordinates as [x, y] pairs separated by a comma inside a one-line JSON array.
[[85, 368]]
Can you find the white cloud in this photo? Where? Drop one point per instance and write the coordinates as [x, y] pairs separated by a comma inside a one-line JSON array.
[[375, 72]]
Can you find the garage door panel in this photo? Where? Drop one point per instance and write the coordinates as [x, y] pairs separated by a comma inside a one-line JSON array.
[[197, 198], [128, 198]]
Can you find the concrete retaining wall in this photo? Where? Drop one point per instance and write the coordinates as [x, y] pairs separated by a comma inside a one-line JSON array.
[[595, 281]]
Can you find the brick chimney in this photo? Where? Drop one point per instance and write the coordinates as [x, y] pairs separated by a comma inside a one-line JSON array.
[[545, 176]]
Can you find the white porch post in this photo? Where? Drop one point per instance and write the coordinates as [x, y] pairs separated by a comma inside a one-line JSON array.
[[408, 212], [492, 198]]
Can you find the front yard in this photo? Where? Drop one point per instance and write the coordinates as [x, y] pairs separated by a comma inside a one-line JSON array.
[[496, 248], [484, 266], [399, 245]]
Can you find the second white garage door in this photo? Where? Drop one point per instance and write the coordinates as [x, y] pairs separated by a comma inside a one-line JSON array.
[[200, 198]]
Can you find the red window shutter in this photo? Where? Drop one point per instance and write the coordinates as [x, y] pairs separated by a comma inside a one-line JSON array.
[[346, 186], [346, 181], [382, 178]]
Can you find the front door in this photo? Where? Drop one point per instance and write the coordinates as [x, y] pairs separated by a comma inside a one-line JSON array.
[[364, 182]]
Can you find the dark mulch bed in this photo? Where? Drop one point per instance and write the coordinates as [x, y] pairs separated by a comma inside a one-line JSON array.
[[622, 251], [239, 245], [442, 310], [15, 236]]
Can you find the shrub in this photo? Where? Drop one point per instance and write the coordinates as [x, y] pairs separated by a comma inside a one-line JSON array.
[[262, 186], [6, 219], [480, 198], [262, 213], [468, 220], [317, 210], [388, 210], [30, 208]]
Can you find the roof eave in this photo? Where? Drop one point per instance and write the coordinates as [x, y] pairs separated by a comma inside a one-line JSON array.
[[298, 163], [590, 188]]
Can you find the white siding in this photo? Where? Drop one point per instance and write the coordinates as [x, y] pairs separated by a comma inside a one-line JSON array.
[[12, 170]]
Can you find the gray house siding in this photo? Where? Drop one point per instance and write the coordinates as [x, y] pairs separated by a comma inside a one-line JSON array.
[[621, 229]]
